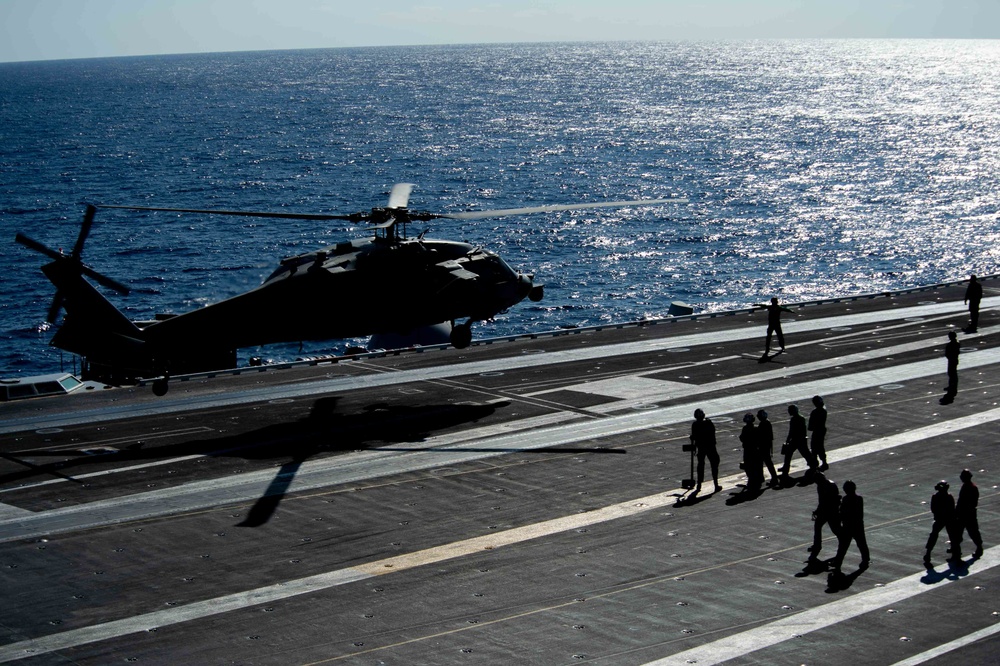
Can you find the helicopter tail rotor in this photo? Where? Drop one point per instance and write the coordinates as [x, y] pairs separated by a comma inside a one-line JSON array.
[[72, 262]]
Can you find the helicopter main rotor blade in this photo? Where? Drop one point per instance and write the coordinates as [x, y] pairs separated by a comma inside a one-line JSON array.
[[355, 217], [479, 214], [399, 197]]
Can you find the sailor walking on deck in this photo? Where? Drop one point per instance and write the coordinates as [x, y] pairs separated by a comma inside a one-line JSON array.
[[943, 510], [817, 425], [852, 526], [751, 456], [796, 441], [827, 513], [966, 519]]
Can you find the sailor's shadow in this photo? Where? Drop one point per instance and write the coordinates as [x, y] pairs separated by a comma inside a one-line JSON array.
[[767, 357], [953, 570], [692, 499], [744, 495], [813, 567], [839, 582]]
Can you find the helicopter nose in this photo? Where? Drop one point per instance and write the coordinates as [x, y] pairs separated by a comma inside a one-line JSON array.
[[529, 288]]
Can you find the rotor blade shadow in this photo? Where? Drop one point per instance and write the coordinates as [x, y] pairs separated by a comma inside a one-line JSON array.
[[264, 508]]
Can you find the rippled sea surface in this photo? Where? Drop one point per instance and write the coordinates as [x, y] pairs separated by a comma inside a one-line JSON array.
[[813, 169]]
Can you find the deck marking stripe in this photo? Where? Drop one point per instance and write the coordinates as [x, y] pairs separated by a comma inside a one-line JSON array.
[[664, 392], [935, 652], [162, 618], [474, 545], [927, 339], [820, 617], [751, 330]]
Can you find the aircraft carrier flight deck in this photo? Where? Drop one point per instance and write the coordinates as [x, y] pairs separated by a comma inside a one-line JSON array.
[[517, 501]]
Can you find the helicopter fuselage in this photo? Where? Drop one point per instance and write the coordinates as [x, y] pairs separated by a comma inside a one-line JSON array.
[[352, 289]]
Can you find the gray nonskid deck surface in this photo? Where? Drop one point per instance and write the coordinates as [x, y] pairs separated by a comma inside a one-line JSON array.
[[490, 507]]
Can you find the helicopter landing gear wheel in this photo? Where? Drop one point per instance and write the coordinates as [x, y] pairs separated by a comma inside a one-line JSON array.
[[461, 335], [160, 387]]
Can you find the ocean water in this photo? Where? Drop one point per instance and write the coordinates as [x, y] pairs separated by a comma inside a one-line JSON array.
[[813, 169]]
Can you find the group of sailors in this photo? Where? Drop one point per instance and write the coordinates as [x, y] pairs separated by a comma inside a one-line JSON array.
[[955, 518], [844, 515], [758, 446]]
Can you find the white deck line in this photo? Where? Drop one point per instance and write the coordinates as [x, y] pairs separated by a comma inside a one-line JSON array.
[[956, 644], [817, 618], [781, 373], [782, 630]]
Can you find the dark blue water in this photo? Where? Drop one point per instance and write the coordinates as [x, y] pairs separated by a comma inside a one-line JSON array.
[[814, 168]]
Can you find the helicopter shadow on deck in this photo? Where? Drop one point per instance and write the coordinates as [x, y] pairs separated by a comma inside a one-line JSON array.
[[324, 430], [379, 424]]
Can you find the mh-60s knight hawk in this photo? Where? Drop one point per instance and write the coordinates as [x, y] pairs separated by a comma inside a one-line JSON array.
[[389, 284]]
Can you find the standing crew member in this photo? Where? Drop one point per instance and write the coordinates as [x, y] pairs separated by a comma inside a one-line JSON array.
[[796, 441], [973, 295], [951, 352], [943, 510], [852, 526], [817, 425], [703, 437], [773, 323], [966, 519]]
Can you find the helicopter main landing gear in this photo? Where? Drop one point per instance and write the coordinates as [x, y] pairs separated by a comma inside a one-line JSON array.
[[461, 335], [160, 386]]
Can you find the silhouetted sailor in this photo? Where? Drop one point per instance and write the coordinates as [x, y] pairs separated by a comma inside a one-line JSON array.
[[827, 512], [966, 519], [943, 510], [751, 457], [796, 441], [703, 437], [852, 526], [973, 295], [773, 323], [817, 425], [951, 352], [765, 445]]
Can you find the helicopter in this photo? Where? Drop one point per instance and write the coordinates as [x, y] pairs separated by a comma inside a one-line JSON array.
[[389, 283]]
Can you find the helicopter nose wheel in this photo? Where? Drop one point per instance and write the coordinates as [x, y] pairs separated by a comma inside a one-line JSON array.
[[461, 335]]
